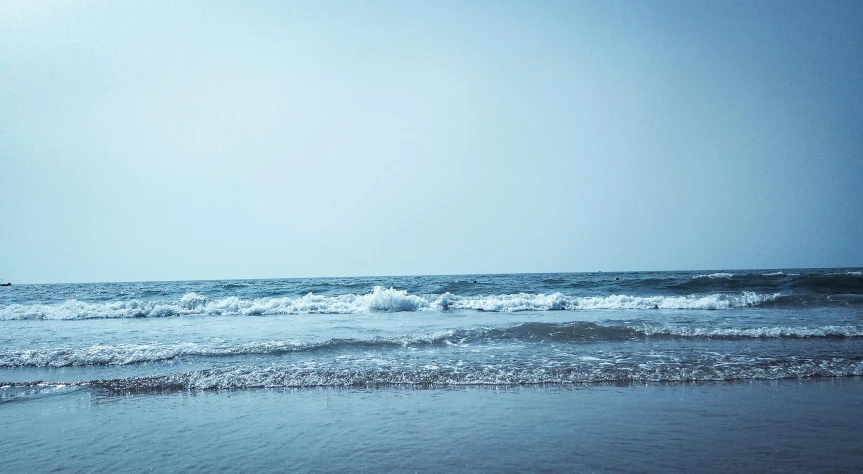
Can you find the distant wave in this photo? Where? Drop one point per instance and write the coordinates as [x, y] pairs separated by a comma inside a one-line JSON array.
[[849, 282], [574, 332], [714, 276], [379, 300]]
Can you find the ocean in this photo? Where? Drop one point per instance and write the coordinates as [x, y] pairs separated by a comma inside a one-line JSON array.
[[755, 370]]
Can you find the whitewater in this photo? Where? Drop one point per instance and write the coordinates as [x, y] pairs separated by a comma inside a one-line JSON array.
[[378, 300]]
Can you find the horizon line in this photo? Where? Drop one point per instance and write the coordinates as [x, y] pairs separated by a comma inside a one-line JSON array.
[[438, 274]]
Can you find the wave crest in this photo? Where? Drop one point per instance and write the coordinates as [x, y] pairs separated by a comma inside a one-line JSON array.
[[379, 300], [714, 276]]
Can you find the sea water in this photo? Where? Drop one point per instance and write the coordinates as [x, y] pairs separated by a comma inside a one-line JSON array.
[[713, 370]]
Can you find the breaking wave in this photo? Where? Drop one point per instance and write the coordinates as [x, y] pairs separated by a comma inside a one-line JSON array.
[[714, 276], [379, 300]]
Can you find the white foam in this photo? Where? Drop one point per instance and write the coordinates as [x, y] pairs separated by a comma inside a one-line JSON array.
[[586, 372], [379, 300], [125, 354], [505, 303], [557, 301], [714, 276], [848, 273], [710, 301], [759, 332]]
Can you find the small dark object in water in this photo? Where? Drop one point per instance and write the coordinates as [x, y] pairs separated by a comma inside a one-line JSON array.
[[5, 284], [474, 281], [618, 278]]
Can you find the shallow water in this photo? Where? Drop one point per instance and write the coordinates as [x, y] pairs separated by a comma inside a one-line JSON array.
[[778, 426]]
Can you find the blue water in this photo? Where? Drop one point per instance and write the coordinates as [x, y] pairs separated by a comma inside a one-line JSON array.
[[76, 353]]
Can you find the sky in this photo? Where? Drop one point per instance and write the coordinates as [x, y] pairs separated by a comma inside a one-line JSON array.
[[166, 140]]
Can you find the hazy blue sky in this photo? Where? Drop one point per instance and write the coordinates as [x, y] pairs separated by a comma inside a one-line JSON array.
[[202, 140]]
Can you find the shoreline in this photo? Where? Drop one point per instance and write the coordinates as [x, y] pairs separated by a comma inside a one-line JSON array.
[[779, 425]]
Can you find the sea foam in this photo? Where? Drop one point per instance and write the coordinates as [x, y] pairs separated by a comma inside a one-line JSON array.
[[587, 372]]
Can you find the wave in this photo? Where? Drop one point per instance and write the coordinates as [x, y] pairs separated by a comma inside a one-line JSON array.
[[714, 276], [491, 375], [574, 332], [379, 300], [830, 283], [849, 282], [126, 354]]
